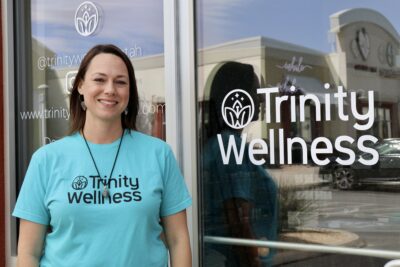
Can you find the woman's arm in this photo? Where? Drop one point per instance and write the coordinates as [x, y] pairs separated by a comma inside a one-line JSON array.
[[177, 237], [30, 243], [238, 216]]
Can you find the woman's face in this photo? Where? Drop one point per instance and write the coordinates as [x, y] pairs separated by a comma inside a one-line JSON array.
[[105, 88]]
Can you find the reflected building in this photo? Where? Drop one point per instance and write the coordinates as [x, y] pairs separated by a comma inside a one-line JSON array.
[[365, 57], [365, 50]]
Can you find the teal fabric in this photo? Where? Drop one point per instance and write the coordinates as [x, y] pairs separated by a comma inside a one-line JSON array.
[[222, 182], [62, 189]]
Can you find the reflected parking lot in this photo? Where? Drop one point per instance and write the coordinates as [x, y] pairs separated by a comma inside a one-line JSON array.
[[373, 215], [385, 172]]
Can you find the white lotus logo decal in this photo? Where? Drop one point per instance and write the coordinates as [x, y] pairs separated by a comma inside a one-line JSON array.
[[235, 112], [86, 18]]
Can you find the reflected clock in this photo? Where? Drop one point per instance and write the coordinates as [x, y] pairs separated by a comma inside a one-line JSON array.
[[363, 43]]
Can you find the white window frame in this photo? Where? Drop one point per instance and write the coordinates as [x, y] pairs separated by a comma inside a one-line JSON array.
[[180, 100], [9, 130]]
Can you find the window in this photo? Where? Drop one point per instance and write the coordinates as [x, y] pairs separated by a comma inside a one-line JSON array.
[[54, 46], [299, 99]]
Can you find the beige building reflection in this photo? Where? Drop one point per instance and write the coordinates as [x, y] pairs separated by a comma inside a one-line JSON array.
[[366, 47], [365, 57]]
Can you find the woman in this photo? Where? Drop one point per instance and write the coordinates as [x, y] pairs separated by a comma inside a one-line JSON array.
[[103, 195], [242, 198]]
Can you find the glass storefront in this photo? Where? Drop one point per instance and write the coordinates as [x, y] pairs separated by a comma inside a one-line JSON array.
[[55, 44], [299, 129], [297, 125]]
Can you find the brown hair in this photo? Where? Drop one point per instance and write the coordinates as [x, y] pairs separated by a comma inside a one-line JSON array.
[[231, 75], [78, 115]]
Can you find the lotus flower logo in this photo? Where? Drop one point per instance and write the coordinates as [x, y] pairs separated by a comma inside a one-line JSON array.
[[79, 183], [237, 109], [86, 18]]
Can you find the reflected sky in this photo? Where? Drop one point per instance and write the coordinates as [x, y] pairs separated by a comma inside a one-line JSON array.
[[304, 22], [128, 24], [139, 23]]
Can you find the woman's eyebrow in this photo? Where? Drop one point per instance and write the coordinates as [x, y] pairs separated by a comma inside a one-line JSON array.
[[103, 74], [99, 73]]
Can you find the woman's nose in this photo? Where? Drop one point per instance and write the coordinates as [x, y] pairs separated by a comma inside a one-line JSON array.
[[109, 88]]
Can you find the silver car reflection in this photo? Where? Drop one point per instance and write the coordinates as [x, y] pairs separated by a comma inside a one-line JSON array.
[[385, 171]]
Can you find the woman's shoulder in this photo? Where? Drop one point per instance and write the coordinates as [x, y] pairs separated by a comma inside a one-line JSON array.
[[147, 142], [148, 146]]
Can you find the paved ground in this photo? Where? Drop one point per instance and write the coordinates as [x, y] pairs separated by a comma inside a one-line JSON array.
[[338, 261], [372, 213]]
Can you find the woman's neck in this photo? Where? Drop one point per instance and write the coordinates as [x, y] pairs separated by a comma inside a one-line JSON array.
[[100, 133]]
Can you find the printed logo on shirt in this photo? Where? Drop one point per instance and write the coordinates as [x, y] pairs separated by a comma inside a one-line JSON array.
[[79, 183], [121, 190]]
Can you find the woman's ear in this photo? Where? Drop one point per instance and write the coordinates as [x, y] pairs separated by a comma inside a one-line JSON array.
[[80, 88]]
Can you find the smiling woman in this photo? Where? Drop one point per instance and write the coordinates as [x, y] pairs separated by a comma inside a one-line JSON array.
[[53, 39], [104, 92], [106, 187], [106, 82]]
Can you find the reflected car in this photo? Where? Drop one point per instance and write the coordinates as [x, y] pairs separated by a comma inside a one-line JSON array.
[[385, 171]]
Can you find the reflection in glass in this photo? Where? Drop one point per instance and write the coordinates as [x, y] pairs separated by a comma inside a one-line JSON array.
[[56, 48], [240, 198], [338, 176], [55, 60]]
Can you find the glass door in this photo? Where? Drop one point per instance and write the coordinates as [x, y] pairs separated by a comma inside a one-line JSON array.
[[52, 39], [290, 95]]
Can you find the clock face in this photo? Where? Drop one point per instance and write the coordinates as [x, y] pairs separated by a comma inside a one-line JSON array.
[[354, 49], [363, 44], [382, 53], [390, 54]]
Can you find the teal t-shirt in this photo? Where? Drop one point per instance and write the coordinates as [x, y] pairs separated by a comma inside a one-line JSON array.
[[222, 182], [62, 189]]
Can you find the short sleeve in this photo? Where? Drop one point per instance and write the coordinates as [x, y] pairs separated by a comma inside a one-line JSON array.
[[31, 199], [175, 194]]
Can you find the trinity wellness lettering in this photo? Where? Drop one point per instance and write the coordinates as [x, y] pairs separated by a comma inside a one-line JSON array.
[[129, 191], [320, 145]]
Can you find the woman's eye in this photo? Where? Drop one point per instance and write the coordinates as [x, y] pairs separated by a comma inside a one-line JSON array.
[[99, 80], [121, 82]]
